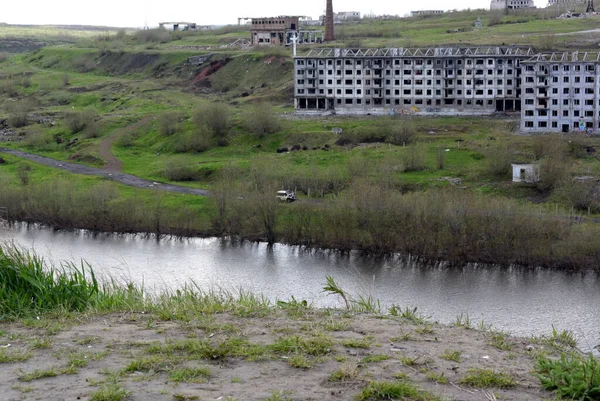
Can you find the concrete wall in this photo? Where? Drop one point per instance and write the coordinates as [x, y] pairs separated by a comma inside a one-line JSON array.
[[560, 96]]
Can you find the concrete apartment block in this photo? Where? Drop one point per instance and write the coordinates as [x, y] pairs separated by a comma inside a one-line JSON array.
[[561, 93], [510, 4], [454, 81]]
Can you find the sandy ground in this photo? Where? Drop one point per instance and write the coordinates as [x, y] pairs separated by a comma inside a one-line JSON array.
[[87, 354]]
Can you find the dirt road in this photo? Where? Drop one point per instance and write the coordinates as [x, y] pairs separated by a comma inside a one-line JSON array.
[[126, 179], [112, 163]]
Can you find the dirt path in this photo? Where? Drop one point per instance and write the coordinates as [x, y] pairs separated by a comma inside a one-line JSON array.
[[112, 163], [126, 179], [297, 355]]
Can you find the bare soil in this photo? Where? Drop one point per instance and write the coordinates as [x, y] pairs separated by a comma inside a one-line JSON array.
[[363, 347], [112, 162]]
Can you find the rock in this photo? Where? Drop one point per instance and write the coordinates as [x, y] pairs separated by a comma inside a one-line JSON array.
[[352, 352], [530, 348]]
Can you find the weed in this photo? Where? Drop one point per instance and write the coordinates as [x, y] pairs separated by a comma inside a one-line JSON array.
[[485, 378], [366, 305], [500, 341], [335, 325], [346, 372], [571, 376], [358, 343], [463, 321], [439, 378], [153, 363], [315, 346], [183, 397], [450, 355], [190, 375], [279, 396], [375, 358], [377, 390], [23, 389], [412, 315], [300, 361], [413, 361], [38, 374], [88, 340], [110, 391], [236, 379], [424, 330], [14, 356], [404, 337], [333, 288], [41, 343]]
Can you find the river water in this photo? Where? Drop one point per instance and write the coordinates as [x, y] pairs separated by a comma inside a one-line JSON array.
[[521, 301]]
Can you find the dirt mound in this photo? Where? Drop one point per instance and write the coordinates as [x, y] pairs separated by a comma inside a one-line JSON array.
[[213, 67], [125, 63]]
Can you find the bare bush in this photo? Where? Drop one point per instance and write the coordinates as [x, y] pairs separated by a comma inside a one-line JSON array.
[[197, 140], [77, 121], [414, 159], [170, 123], [215, 116], [4, 56], [262, 120], [23, 170], [499, 160]]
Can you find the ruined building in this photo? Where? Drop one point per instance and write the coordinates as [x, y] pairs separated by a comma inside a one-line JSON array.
[[561, 92], [510, 4], [280, 30], [409, 81]]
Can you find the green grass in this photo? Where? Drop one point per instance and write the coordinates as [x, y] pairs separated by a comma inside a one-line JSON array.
[[487, 378], [379, 390], [451, 355], [189, 375], [7, 356], [39, 374], [573, 376]]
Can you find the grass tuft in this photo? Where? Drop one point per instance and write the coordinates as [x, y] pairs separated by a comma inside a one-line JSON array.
[[377, 390], [485, 378]]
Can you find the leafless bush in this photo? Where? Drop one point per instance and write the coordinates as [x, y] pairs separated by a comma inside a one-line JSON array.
[[158, 35], [4, 56], [262, 120], [170, 123], [215, 116], [499, 160], [77, 121]]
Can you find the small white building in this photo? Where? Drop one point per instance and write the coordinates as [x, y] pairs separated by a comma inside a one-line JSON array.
[[526, 172]]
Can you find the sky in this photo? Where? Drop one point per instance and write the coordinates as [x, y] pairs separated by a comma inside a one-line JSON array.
[[136, 13]]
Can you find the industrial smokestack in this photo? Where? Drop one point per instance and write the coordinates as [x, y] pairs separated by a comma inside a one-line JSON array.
[[329, 36]]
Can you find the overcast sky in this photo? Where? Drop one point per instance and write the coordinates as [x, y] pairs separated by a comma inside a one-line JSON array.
[[134, 13]]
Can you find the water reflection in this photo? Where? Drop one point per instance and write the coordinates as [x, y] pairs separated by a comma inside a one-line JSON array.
[[521, 301]]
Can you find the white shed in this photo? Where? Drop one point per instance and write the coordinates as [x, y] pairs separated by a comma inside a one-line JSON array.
[[526, 172]]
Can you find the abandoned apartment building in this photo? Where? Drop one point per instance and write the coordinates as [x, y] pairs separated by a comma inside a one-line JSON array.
[[510, 4], [561, 92], [409, 81], [280, 31], [554, 92]]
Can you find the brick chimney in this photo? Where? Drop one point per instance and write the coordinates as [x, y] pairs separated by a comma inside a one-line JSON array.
[[329, 36]]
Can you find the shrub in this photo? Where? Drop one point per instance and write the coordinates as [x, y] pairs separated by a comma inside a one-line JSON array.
[[77, 121], [170, 123], [4, 56], [215, 116], [499, 159], [159, 35], [571, 376], [181, 172], [262, 120], [194, 141]]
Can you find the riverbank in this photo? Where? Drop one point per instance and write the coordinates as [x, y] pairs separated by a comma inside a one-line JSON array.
[[66, 334], [286, 352]]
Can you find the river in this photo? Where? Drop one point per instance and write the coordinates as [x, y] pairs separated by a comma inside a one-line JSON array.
[[522, 301]]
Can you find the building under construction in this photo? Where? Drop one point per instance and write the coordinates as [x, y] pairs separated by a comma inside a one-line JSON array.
[[410, 81]]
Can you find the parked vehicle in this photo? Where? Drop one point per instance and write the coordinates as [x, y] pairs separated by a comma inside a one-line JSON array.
[[286, 196]]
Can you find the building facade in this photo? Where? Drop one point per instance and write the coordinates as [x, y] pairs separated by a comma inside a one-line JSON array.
[[510, 4], [420, 13], [469, 81], [561, 93], [278, 31]]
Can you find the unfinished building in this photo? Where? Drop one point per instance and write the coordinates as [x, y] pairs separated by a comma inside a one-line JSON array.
[[279, 31], [561, 93], [510, 4], [469, 81]]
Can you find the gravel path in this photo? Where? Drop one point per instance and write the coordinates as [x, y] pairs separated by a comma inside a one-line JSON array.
[[126, 179]]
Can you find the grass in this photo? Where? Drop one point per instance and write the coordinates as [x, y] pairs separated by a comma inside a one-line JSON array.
[[7, 356], [487, 378], [111, 391], [379, 390], [189, 375], [573, 376], [39, 374], [346, 372], [450, 355]]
